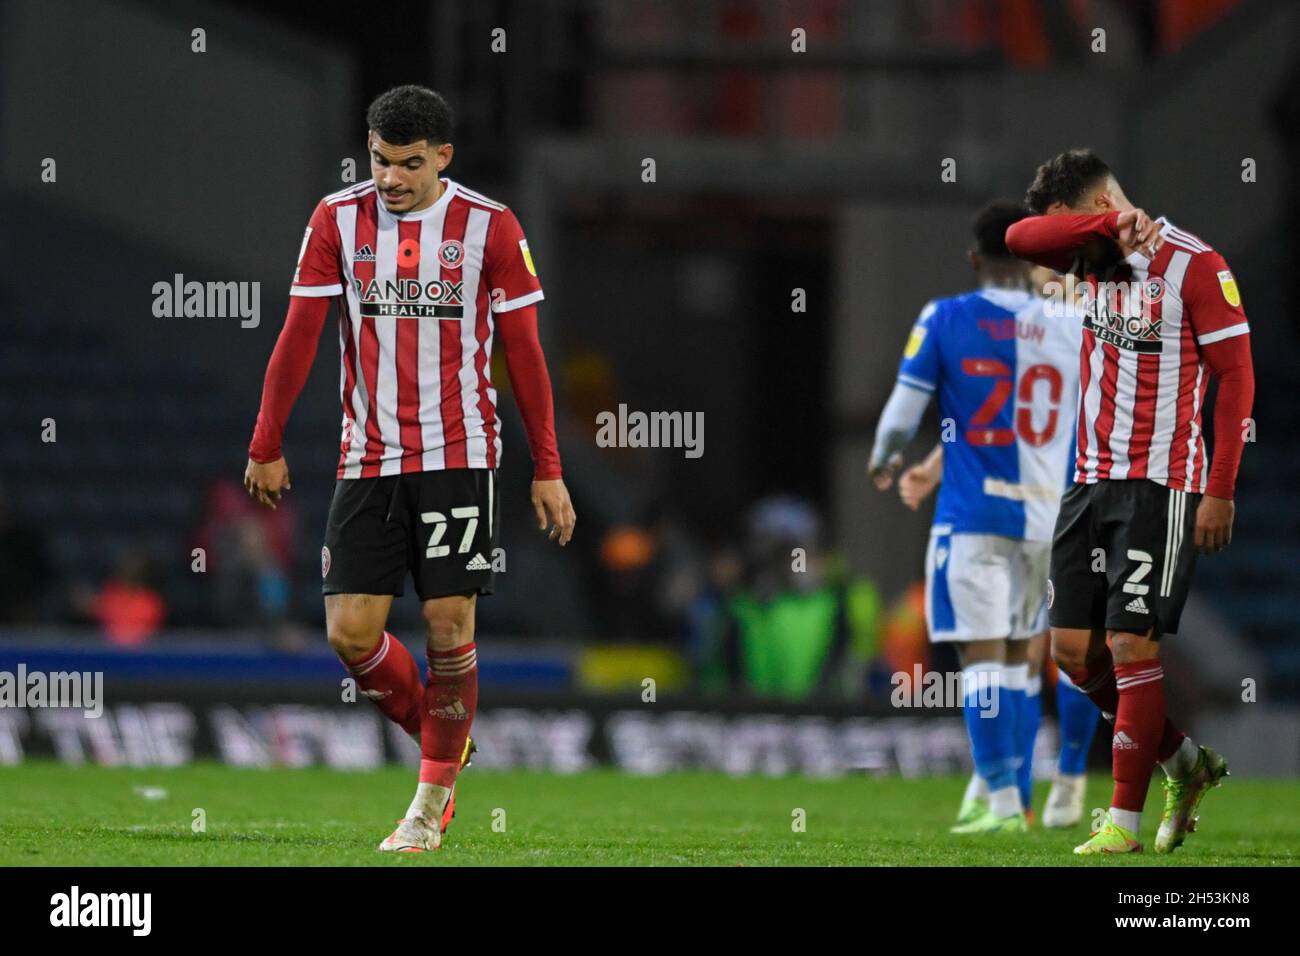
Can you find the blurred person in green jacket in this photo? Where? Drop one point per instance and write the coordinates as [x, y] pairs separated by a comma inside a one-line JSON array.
[[784, 619]]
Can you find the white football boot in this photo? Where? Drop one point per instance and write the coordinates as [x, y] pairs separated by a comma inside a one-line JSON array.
[[413, 835], [1064, 806]]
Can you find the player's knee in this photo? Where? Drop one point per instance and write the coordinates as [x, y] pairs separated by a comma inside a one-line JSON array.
[[448, 623], [348, 639], [1070, 648], [1128, 648], [981, 652], [1069, 662], [1069, 659]]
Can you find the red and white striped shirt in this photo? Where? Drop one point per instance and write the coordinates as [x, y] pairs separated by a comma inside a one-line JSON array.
[[417, 293], [1141, 395], [1142, 359]]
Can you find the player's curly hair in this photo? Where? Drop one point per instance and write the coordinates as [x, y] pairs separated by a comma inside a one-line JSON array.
[[407, 114], [990, 226], [1065, 178]]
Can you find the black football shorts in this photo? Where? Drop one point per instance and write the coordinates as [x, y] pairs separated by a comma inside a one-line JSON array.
[[1122, 557], [439, 525]]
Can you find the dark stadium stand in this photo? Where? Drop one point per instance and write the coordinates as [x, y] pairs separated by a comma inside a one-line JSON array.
[[128, 468], [1254, 582]]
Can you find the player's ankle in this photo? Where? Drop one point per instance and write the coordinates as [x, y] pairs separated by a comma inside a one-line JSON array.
[[1183, 762]]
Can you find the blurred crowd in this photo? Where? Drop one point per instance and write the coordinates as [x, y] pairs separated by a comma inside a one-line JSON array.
[[246, 550]]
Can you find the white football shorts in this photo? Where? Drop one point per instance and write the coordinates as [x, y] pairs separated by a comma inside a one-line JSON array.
[[985, 586]]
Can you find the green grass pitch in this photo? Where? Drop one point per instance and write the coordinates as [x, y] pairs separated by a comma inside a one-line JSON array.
[[63, 816]]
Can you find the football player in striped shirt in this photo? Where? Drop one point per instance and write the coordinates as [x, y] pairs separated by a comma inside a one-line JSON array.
[[1164, 314], [425, 274]]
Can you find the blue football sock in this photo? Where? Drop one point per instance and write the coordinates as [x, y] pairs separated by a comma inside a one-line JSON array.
[[1031, 715], [990, 721], [1078, 720], [1014, 679]]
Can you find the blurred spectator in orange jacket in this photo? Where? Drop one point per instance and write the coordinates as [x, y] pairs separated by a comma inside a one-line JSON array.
[[906, 642], [126, 608]]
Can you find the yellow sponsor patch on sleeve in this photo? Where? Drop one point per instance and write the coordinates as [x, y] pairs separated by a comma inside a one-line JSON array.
[[1229, 286], [528, 257], [914, 342]]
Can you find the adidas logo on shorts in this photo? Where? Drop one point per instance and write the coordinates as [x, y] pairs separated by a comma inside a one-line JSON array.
[[1137, 606], [478, 563]]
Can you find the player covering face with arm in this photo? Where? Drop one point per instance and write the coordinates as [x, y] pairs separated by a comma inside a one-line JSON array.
[[1164, 311]]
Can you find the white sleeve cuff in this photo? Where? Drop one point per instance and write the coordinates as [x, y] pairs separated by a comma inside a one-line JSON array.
[[316, 291], [518, 303], [1241, 328]]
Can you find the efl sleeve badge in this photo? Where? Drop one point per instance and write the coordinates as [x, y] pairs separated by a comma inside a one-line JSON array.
[[1229, 286], [914, 341]]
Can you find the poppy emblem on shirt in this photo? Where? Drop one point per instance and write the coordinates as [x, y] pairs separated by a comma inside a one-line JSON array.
[[451, 253], [408, 253]]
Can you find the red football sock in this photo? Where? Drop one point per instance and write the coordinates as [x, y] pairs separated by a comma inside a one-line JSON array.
[[1097, 681], [450, 699], [1139, 723], [389, 676]]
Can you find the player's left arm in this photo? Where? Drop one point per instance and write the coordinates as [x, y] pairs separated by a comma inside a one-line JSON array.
[[1218, 321], [515, 291]]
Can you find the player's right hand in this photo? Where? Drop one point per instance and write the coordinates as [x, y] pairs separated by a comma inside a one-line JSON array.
[[882, 476], [916, 484], [1213, 524], [552, 506], [1138, 231], [267, 481]]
